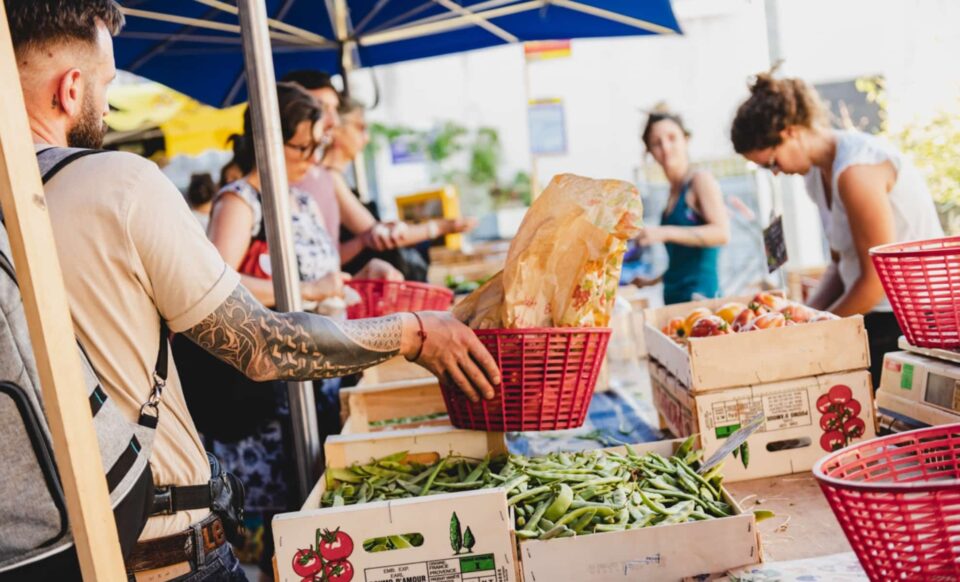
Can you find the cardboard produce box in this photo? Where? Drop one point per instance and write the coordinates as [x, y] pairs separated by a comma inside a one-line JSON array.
[[744, 359], [392, 406], [801, 423], [666, 552]]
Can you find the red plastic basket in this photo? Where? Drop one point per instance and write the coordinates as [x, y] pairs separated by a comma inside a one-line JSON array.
[[385, 297], [922, 281], [548, 376], [897, 499]]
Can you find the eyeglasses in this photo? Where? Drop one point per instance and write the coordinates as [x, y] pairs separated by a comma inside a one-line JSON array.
[[305, 151], [772, 165]]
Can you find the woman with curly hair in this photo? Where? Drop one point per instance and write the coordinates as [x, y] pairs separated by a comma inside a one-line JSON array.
[[867, 192]]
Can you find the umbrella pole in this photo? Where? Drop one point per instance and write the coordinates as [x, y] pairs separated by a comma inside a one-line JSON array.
[[341, 26], [268, 142]]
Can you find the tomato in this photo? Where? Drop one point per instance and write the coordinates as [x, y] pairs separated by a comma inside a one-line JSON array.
[[306, 562], [743, 319], [853, 406], [797, 313], [840, 394], [824, 404], [854, 428], [334, 545], [767, 321], [341, 571], [674, 327], [692, 318], [832, 440], [829, 422], [730, 311], [708, 326], [769, 301]]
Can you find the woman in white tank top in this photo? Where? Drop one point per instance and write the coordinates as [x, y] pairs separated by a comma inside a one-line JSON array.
[[867, 192]]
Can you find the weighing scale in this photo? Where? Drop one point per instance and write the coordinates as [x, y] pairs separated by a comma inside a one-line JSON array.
[[919, 387]]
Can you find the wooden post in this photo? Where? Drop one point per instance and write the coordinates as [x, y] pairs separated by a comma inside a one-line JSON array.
[[51, 333]]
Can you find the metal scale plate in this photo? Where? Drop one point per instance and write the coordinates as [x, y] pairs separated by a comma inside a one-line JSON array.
[[920, 386]]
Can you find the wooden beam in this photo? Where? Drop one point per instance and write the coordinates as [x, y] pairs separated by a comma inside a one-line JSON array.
[[51, 333]]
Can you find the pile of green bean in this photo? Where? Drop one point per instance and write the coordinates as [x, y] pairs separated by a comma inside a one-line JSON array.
[[558, 495]]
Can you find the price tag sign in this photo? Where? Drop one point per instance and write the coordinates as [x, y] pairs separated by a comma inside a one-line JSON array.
[[775, 244]]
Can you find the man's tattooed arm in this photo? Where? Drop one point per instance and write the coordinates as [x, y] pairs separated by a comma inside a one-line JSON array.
[[266, 345]]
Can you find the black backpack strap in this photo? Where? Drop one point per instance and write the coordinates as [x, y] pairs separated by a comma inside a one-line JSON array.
[[54, 159], [51, 161]]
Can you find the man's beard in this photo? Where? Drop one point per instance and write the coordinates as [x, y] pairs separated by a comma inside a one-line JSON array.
[[90, 128]]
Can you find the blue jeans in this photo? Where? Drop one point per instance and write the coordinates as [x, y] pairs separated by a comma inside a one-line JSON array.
[[220, 565]]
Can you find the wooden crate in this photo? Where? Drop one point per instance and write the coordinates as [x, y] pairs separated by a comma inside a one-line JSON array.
[[493, 558], [667, 552], [396, 369], [744, 359], [791, 439], [374, 408]]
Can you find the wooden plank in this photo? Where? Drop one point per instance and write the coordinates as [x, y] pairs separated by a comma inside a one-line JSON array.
[[51, 333], [393, 370], [804, 526]]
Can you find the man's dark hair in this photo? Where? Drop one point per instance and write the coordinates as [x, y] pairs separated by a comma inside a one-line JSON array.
[[309, 79], [35, 23]]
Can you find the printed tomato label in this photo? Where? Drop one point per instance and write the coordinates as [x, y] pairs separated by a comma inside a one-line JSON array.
[[480, 568], [840, 420], [325, 560]]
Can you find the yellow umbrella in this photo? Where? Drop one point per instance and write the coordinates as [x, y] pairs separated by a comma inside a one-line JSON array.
[[188, 127]]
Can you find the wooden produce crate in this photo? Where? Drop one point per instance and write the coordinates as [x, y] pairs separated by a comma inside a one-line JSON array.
[[668, 552], [745, 359], [799, 428], [663, 552], [492, 559], [396, 405]]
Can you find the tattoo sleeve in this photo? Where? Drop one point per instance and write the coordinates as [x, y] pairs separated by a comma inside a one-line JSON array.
[[267, 345]]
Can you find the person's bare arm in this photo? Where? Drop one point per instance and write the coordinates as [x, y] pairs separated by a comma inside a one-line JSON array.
[[266, 345], [709, 203], [863, 190], [830, 287]]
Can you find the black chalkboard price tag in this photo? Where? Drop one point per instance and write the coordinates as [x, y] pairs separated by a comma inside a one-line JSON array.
[[775, 244]]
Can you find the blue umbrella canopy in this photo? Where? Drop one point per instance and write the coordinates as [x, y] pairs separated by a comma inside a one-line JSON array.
[[194, 45]]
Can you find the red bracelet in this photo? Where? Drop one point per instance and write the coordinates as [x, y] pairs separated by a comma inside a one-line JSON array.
[[421, 334]]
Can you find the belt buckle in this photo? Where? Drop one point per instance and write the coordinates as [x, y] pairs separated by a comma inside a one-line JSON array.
[[162, 501]]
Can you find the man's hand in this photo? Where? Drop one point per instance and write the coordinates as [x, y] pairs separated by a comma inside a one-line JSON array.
[[453, 353], [380, 269]]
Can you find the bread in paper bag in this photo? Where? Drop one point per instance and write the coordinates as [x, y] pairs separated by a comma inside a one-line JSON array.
[[563, 267]]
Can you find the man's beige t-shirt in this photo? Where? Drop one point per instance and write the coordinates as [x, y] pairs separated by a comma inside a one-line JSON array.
[[132, 252]]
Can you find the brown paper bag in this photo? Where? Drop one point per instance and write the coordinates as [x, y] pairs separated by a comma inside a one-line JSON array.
[[563, 267]]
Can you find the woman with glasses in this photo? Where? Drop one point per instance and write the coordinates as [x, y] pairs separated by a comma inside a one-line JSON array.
[[694, 224], [236, 223], [868, 194]]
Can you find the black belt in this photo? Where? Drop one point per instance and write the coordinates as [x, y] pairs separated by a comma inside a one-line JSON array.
[[170, 499]]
